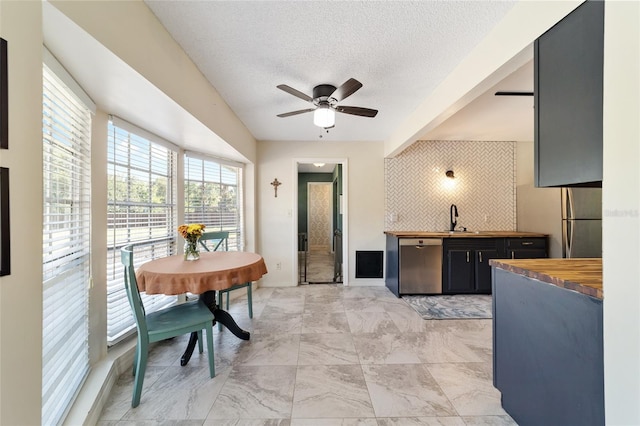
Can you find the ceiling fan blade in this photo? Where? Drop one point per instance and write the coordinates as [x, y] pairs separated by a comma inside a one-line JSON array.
[[364, 112], [301, 111], [513, 94], [348, 88], [295, 92]]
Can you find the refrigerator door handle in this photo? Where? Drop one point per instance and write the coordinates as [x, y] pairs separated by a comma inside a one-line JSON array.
[[570, 206], [568, 238]]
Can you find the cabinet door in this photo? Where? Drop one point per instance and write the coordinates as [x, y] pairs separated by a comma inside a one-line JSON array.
[[483, 269], [460, 271], [568, 89]]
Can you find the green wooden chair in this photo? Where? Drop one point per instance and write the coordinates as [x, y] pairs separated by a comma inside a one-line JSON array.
[[164, 324], [218, 240]]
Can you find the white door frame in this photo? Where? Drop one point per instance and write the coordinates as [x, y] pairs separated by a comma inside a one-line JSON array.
[[345, 214]]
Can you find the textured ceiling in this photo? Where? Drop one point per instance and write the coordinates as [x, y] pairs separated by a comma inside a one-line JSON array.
[[399, 50]]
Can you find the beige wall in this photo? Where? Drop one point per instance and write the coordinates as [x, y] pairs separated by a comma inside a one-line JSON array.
[[621, 218], [21, 292], [538, 209], [363, 181]]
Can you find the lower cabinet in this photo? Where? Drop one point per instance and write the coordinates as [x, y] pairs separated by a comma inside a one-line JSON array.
[[466, 266]]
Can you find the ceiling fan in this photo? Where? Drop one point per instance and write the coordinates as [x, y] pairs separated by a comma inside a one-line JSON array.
[[325, 100]]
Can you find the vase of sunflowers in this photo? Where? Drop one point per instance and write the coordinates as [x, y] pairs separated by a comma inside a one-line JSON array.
[[191, 234]]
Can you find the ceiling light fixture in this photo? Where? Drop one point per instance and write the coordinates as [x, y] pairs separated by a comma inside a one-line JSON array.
[[318, 164], [450, 174], [324, 116]]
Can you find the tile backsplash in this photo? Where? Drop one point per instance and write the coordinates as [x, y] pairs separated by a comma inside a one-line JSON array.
[[418, 194]]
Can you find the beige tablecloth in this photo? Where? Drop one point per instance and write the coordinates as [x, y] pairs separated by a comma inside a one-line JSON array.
[[213, 271]]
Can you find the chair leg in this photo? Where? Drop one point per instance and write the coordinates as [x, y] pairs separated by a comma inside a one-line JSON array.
[[141, 366], [250, 301], [135, 360], [227, 308], [212, 367], [220, 305], [200, 347]]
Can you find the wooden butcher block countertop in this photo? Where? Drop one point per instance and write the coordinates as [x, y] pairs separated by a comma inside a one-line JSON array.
[[581, 275], [465, 234]]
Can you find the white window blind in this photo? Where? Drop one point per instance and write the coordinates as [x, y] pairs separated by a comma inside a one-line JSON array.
[[66, 141], [141, 211], [213, 196]]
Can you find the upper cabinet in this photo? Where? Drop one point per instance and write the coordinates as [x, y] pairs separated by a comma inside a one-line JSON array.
[[568, 63]]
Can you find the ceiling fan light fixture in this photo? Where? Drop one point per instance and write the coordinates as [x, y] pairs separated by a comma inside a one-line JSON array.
[[324, 116]]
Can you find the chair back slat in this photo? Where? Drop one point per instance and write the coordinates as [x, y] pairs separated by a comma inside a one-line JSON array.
[[133, 294], [222, 238]]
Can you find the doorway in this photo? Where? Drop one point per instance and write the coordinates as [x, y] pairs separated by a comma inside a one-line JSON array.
[[319, 222], [320, 251]]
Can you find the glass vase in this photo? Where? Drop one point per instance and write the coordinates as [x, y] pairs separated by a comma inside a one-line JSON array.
[[191, 251]]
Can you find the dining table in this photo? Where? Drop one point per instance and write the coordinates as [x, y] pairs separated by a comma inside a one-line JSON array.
[[213, 271]]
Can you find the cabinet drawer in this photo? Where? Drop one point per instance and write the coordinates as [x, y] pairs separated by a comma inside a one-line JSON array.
[[526, 243]]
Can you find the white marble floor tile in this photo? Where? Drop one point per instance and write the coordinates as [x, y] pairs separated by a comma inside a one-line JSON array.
[[382, 348], [247, 422], [322, 297], [362, 304], [327, 349], [255, 392], [330, 305], [288, 305], [319, 322], [321, 355], [278, 324], [505, 420], [181, 393], [371, 322], [421, 421], [331, 391], [334, 422], [440, 346], [409, 321], [196, 422], [469, 386], [270, 349], [405, 390], [119, 401]]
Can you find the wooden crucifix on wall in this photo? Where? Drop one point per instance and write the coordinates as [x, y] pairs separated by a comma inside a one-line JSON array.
[[276, 184]]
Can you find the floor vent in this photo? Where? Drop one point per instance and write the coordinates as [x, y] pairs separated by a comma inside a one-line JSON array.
[[369, 264]]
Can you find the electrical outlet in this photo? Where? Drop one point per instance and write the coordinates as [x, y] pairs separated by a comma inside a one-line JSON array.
[[486, 218], [278, 266]]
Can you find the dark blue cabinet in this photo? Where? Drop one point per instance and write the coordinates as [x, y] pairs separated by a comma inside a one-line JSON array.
[[568, 94]]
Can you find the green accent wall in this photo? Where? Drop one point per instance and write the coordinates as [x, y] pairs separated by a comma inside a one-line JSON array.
[[303, 179]]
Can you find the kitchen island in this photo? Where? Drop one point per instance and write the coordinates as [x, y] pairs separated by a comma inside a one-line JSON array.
[[420, 262], [547, 340]]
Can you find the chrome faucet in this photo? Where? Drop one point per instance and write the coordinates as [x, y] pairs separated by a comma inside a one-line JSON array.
[[453, 212]]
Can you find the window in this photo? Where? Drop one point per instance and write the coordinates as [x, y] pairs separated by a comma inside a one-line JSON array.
[[212, 192], [66, 143], [141, 211]]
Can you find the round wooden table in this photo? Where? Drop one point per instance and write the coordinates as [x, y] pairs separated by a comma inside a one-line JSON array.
[[214, 271]]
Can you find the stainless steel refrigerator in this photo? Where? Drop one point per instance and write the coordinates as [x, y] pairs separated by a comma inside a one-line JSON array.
[[581, 222]]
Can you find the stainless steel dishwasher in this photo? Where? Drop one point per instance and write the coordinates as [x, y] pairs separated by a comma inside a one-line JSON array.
[[420, 266]]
